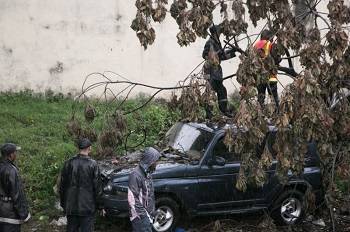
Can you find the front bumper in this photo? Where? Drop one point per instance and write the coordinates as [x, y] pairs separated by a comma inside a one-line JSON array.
[[114, 206]]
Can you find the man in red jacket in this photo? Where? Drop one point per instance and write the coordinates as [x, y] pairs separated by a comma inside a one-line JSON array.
[[266, 47]]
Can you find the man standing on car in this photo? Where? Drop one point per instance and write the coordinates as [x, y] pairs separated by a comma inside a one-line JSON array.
[[13, 203], [213, 53], [80, 188], [141, 192], [265, 48]]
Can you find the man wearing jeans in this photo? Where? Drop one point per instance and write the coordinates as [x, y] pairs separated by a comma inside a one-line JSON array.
[[141, 192]]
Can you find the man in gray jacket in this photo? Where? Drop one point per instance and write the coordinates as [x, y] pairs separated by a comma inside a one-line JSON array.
[[141, 192]]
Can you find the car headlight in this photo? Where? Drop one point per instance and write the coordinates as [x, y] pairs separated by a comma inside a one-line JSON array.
[[120, 191], [116, 190], [108, 188]]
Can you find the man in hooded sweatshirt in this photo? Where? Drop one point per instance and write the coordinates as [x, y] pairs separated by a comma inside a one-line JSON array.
[[141, 192]]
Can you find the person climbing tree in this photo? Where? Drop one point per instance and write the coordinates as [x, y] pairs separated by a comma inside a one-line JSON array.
[[213, 53], [265, 48]]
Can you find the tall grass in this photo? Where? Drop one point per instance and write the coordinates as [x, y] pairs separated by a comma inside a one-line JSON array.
[[37, 122]]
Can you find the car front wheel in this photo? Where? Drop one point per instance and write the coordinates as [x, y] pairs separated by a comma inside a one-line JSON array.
[[167, 214], [289, 208]]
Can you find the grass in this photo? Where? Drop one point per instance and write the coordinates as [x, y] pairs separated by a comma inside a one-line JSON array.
[[37, 123]]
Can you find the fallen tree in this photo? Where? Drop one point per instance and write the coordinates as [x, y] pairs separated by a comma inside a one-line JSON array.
[[307, 106]]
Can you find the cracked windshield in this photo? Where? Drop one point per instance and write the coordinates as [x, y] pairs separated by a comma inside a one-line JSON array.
[[188, 140]]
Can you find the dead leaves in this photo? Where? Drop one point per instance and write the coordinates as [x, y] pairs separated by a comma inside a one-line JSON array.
[[142, 22], [143, 29], [337, 43], [338, 12], [237, 24], [292, 34], [257, 10], [193, 21], [241, 183], [90, 113], [190, 101], [311, 55], [238, 9], [159, 13]]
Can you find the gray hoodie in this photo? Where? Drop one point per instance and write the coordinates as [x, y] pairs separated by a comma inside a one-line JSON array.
[[140, 191]]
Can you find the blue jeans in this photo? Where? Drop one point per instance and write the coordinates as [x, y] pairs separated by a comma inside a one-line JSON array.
[[141, 224]]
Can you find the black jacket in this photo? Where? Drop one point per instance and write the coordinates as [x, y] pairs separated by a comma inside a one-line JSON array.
[[80, 186], [215, 71], [13, 202]]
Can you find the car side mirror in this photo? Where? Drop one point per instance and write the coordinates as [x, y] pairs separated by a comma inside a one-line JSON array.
[[217, 160]]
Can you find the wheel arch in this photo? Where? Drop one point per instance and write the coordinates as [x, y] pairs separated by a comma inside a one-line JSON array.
[[172, 196], [301, 186]]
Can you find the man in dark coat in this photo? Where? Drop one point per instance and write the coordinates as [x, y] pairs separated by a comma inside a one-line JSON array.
[[213, 53], [13, 203], [80, 189], [141, 192]]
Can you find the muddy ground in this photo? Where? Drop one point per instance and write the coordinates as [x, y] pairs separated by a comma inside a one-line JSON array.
[[237, 223]]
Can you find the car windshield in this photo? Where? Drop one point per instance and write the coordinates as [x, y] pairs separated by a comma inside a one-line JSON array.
[[188, 140]]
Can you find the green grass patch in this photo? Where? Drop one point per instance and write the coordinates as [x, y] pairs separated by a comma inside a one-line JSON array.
[[37, 122]]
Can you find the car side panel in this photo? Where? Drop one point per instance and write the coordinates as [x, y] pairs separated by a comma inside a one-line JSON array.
[[182, 189]]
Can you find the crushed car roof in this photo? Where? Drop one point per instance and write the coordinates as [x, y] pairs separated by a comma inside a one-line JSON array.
[[214, 127]]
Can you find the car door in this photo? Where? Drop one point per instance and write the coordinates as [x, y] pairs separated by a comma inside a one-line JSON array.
[[216, 188], [217, 184]]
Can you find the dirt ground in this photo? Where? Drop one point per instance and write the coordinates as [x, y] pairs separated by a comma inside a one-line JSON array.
[[237, 223]]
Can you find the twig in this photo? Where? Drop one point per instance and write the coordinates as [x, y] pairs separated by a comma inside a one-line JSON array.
[[329, 203], [290, 57], [144, 104]]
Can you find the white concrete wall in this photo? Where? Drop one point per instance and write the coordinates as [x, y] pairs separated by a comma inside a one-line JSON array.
[[88, 36]]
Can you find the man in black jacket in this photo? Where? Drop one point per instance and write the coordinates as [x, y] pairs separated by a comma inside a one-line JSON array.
[[213, 53], [80, 188], [13, 202]]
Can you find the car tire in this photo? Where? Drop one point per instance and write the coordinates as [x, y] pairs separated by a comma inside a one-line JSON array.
[[167, 215], [289, 208]]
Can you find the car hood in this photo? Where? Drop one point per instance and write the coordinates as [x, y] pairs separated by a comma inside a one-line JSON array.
[[163, 170]]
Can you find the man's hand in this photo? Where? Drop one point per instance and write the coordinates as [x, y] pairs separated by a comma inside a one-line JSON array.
[[206, 76], [230, 53], [103, 213]]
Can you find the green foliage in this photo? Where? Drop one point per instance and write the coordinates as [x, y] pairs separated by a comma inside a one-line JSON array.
[[37, 122]]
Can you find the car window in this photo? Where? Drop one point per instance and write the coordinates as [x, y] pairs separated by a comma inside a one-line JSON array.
[[220, 149], [189, 140]]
